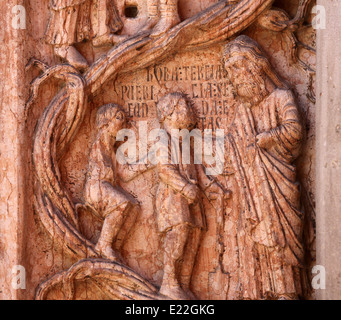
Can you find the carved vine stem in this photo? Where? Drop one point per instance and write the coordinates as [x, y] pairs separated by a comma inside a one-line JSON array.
[[98, 270]]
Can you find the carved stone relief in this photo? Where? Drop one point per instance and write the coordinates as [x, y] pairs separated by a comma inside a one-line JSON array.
[[169, 229]]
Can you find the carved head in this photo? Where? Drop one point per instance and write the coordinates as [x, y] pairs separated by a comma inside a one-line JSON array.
[[248, 68], [176, 112], [111, 118]]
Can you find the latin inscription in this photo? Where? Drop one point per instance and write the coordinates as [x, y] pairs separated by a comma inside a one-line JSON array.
[[206, 85]]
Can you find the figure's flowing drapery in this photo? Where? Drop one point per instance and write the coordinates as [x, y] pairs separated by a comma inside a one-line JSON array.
[[73, 21], [264, 229]]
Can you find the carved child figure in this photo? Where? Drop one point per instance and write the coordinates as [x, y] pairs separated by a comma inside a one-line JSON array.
[[73, 21], [180, 215], [162, 16], [102, 195]]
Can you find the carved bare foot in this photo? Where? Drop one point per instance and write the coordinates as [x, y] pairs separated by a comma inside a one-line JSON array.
[[107, 252], [164, 24], [175, 293], [72, 56]]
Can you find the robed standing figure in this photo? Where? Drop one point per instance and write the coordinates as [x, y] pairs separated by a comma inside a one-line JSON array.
[[263, 229]]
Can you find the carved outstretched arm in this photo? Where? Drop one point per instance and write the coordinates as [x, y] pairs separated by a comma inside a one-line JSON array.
[[171, 176], [129, 172], [211, 188]]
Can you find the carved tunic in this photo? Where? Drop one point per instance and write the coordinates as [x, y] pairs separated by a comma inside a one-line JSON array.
[[264, 230], [102, 194], [172, 206], [73, 21]]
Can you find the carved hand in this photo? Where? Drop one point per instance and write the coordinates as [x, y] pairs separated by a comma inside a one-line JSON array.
[[264, 140], [227, 195], [191, 192], [214, 191]]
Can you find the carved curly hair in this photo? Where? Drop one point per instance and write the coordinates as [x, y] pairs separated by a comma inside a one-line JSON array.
[[166, 105], [106, 113], [250, 49]]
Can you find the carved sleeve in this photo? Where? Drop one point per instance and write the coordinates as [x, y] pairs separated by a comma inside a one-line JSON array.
[[170, 175], [169, 172], [129, 172], [288, 134]]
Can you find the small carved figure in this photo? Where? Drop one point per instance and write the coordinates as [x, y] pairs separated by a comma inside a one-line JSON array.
[[102, 195], [162, 16], [179, 208], [265, 251], [73, 21]]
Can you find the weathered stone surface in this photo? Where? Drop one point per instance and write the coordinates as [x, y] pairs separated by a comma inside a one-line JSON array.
[[72, 215], [328, 156]]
